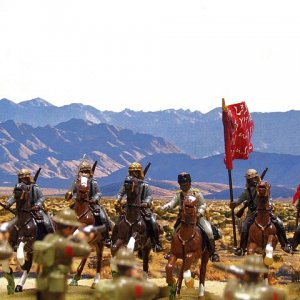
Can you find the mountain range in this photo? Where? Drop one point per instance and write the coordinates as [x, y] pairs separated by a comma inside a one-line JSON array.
[[194, 133]]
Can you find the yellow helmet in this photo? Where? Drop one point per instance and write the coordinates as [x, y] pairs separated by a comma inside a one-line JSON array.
[[24, 173], [251, 173], [136, 167], [85, 167], [125, 257]]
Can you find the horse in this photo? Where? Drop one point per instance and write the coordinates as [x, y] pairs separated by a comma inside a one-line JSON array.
[[86, 217], [262, 233], [24, 233], [132, 229], [187, 245]]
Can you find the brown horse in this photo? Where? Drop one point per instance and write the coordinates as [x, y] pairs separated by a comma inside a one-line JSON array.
[[132, 226], [24, 233], [85, 217], [187, 245], [262, 233]]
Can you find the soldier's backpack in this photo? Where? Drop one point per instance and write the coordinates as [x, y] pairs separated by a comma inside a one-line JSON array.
[[43, 253]]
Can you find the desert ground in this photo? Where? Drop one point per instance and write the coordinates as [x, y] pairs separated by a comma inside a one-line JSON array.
[[285, 270]]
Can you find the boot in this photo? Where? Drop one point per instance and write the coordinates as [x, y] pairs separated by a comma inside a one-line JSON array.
[[296, 239], [214, 257], [243, 245], [158, 246], [285, 245]]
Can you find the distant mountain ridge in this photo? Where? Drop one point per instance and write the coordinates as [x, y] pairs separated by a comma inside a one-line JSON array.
[[195, 133]]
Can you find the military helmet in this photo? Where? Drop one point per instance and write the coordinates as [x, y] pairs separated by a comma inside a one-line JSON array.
[[67, 217], [24, 173], [125, 257], [85, 167], [251, 173], [184, 178], [254, 264], [136, 167]]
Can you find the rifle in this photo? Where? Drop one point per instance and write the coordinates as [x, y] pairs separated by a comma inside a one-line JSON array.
[[36, 175], [94, 167], [238, 272], [146, 168], [240, 212], [7, 208]]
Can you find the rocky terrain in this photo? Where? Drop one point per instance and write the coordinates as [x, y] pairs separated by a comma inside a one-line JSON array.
[[285, 271]]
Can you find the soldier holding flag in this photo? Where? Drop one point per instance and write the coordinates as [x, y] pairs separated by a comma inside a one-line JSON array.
[[296, 237]]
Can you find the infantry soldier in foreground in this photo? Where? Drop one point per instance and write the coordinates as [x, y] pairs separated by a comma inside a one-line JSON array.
[[5, 253], [249, 198], [135, 170], [129, 284], [26, 186], [184, 181], [249, 285], [55, 254], [95, 195]]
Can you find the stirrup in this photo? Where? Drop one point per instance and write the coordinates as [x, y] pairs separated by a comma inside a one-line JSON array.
[[287, 248], [215, 257], [239, 252]]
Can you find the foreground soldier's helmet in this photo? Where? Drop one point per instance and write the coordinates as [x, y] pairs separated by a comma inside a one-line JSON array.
[[66, 217], [251, 173], [136, 167], [184, 178], [125, 257], [24, 173], [254, 264], [85, 167]]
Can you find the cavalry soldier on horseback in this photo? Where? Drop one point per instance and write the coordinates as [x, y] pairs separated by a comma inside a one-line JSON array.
[[55, 254], [249, 198], [95, 195], [135, 170], [184, 181], [129, 283], [26, 188], [249, 284]]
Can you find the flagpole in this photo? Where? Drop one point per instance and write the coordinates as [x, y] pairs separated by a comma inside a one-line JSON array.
[[232, 209]]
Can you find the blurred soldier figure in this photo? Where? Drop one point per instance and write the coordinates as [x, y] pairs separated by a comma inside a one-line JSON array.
[[26, 187], [135, 170], [296, 238], [55, 254], [249, 284], [129, 284], [5, 253], [249, 198], [95, 195], [184, 181]]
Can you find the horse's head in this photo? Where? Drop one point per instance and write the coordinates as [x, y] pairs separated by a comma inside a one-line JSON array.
[[82, 187], [263, 191], [189, 210], [132, 186]]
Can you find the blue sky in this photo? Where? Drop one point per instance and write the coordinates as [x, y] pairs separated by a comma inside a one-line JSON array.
[[152, 55]]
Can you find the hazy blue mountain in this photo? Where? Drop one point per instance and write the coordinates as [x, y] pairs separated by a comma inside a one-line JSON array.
[[197, 134]]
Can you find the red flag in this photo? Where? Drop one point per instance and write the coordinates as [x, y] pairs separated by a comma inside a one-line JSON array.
[[297, 194], [238, 128]]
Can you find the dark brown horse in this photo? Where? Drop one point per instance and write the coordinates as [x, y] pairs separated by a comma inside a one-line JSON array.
[[24, 233], [85, 217], [132, 226], [187, 245], [262, 233]]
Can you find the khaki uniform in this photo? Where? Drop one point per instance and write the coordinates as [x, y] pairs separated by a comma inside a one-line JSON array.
[[127, 288], [177, 201], [54, 254], [253, 291]]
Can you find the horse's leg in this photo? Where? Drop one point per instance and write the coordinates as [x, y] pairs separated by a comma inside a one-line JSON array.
[[8, 275], [99, 251], [146, 251], [203, 265], [187, 275], [251, 248], [21, 254], [114, 248], [26, 268], [77, 276], [268, 259], [169, 276]]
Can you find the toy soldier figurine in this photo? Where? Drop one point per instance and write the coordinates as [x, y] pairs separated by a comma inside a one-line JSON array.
[[248, 197], [5, 253], [129, 284], [296, 238], [184, 181], [54, 255], [135, 170], [95, 195], [248, 284], [26, 187]]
